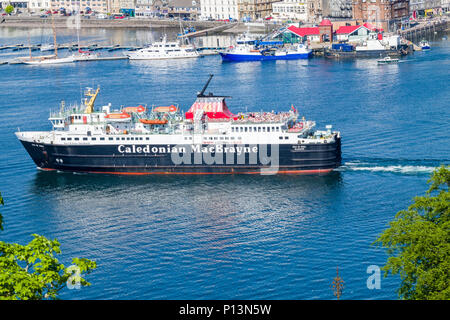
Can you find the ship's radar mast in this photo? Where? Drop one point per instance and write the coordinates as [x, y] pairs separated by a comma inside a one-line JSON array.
[[90, 104]]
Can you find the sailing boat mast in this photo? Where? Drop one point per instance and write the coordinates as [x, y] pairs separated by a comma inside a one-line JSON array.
[[54, 34]]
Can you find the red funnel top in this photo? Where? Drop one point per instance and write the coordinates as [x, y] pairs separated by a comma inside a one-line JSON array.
[[213, 107]]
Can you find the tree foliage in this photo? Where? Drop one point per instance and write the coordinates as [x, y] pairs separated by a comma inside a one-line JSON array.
[[32, 271], [9, 9], [418, 243]]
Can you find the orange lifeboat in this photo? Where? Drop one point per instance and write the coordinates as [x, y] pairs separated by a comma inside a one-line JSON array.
[[138, 109], [152, 121], [170, 109], [118, 117]]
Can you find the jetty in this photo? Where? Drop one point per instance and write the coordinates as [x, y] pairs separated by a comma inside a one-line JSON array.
[[423, 28], [205, 32]]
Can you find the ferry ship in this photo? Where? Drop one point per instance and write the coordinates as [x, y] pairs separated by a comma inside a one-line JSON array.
[[207, 139]]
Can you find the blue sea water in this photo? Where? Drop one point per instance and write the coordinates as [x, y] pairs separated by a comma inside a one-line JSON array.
[[232, 237]]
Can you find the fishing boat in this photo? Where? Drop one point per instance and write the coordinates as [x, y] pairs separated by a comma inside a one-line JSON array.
[[266, 50], [388, 60], [207, 139], [424, 45]]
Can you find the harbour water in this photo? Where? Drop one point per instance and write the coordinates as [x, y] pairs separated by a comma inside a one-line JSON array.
[[232, 237]]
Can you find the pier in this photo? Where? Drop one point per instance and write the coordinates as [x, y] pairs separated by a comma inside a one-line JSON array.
[[424, 28]]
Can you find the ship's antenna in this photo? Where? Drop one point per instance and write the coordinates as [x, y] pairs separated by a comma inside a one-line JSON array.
[[202, 93]]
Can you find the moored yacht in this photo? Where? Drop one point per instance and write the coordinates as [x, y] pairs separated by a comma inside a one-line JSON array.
[[164, 50]]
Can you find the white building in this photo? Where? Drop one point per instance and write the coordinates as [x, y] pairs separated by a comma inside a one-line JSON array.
[[144, 9], [39, 5], [219, 9], [290, 10], [79, 5]]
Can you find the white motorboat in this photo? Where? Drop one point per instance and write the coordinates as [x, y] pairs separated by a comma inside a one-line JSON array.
[[424, 45], [388, 60], [163, 50], [47, 47]]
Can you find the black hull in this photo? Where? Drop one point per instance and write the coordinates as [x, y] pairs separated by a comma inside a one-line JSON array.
[[156, 159]]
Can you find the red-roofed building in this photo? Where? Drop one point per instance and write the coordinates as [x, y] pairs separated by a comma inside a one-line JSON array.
[[352, 33], [312, 34], [371, 27]]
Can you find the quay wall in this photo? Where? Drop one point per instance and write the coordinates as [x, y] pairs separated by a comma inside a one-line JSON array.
[[69, 22]]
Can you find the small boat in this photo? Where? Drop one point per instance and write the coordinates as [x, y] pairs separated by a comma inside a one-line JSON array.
[[118, 117], [388, 60], [424, 45], [138, 109], [169, 109], [47, 47], [84, 56], [153, 121]]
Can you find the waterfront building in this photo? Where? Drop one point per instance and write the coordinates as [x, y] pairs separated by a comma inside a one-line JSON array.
[[445, 5], [184, 8], [219, 9], [315, 12], [387, 14], [337, 9], [352, 33], [145, 9], [18, 4], [416, 5], [294, 34], [79, 5], [296, 10], [38, 5], [255, 9], [128, 7], [113, 6]]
